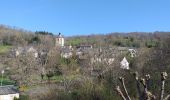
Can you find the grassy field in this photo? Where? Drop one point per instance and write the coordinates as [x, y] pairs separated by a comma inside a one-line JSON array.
[[4, 49], [6, 81]]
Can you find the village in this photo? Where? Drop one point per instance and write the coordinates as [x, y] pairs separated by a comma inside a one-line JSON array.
[[84, 50], [100, 55]]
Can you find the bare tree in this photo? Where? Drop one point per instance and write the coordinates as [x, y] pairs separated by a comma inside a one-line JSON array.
[[145, 94], [24, 69]]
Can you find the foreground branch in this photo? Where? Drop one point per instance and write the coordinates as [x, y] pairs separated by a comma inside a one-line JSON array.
[[120, 93], [163, 78], [124, 87], [136, 76]]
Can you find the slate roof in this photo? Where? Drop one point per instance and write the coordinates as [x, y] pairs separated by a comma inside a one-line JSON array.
[[59, 36], [9, 89], [65, 50]]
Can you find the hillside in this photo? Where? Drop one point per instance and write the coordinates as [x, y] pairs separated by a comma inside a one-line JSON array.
[[133, 39], [43, 71]]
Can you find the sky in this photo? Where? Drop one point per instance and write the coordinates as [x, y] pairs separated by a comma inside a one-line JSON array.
[[83, 17]]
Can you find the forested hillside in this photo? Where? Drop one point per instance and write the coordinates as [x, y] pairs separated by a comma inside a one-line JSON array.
[[49, 76], [133, 39]]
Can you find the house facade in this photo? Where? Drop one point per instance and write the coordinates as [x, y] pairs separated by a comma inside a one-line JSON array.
[[59, 41], [124, 64], [8, 92]]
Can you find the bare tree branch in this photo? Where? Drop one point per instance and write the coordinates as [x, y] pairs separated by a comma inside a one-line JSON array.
[[124, 87], [136, 76], [163, 78], [167, 97], [120, 92]]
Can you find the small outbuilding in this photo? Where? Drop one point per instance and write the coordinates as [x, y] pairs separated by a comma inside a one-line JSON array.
[[8, 92], [124, 64]]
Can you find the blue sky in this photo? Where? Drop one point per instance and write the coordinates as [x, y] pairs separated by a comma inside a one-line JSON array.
[[81, 17]]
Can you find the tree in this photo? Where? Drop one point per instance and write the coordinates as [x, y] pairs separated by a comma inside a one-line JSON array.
[[43, 33], [144, 94], [25, 70], [52, 63]]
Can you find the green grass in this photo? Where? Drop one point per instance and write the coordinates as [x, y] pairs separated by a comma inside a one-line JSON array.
[[23, 97], [6, 81], [4, 49], [59, 78]]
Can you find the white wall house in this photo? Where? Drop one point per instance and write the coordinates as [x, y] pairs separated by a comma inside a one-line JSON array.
[[59, 40], [132, 52], [124, 64], [8, 93]]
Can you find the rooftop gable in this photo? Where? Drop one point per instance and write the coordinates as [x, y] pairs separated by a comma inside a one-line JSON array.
[[9, 89]]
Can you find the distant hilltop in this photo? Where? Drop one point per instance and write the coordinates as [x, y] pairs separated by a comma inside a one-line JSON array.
[[17, 36]]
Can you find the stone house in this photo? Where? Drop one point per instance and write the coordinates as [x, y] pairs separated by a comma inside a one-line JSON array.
[[66, 52], [132, 52], [84, 47], [24, 50]]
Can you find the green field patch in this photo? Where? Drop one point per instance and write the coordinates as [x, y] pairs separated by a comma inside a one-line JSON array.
[[59, 78], [6, 81], [4, 49]]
